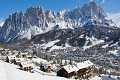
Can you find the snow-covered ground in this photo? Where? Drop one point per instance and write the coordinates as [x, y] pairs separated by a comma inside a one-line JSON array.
[[13, 72], [94, 41], [52, 45], [115, 52], [2, 71]]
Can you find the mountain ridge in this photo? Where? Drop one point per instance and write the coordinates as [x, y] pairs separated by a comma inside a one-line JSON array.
[[36, 21]]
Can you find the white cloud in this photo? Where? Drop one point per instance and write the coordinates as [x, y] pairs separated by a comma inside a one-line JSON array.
[[103, 1], [115, 17]]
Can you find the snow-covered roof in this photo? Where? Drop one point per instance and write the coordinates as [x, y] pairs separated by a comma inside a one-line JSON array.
[[45, 65], [77, 66], [15, 52], [24, 53], [70, 68], [39, 60], [19, 59], [12, 57], [29, 55], [27, 64], [6, 49], [84, 64]]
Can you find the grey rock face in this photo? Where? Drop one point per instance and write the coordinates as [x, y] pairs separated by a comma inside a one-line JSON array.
[[36, 21]]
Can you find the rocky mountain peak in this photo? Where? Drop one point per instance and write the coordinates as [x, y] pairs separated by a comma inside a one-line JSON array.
[[36, 21], [91, 9], [14, 24], [1, 24], [49, 15], [102, 14], [74, 14]]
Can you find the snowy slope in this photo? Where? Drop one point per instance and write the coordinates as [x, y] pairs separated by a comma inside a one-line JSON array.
[[52, 45], [12, 72], [115, 52], [94, 41], [3, 75]]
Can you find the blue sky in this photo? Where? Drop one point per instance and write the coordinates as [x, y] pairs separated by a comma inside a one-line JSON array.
[[10, 6]]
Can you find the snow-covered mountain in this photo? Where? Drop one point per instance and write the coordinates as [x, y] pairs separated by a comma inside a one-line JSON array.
[[36, 21], [1, 24]]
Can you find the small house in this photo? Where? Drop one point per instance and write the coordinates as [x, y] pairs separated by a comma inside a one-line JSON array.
[[27, 66], [34, 56], [17, 61], [10, 58], [46, 67], [77, 70], [29, 57], [21, 54], [67, 71], [7, 53], [24, 55], [38, 61], [85, 69]]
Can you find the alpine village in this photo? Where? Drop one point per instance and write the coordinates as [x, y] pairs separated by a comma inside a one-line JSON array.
[[76, 44]]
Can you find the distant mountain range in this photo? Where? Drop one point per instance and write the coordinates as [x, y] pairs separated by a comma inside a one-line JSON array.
[[35, 21]]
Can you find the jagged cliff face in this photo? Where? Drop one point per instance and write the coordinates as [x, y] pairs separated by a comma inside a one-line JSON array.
[[36, 21], [91, 10], [16, 23]]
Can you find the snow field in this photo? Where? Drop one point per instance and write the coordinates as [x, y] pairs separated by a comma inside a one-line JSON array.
[[2, 71], [13, 72]]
